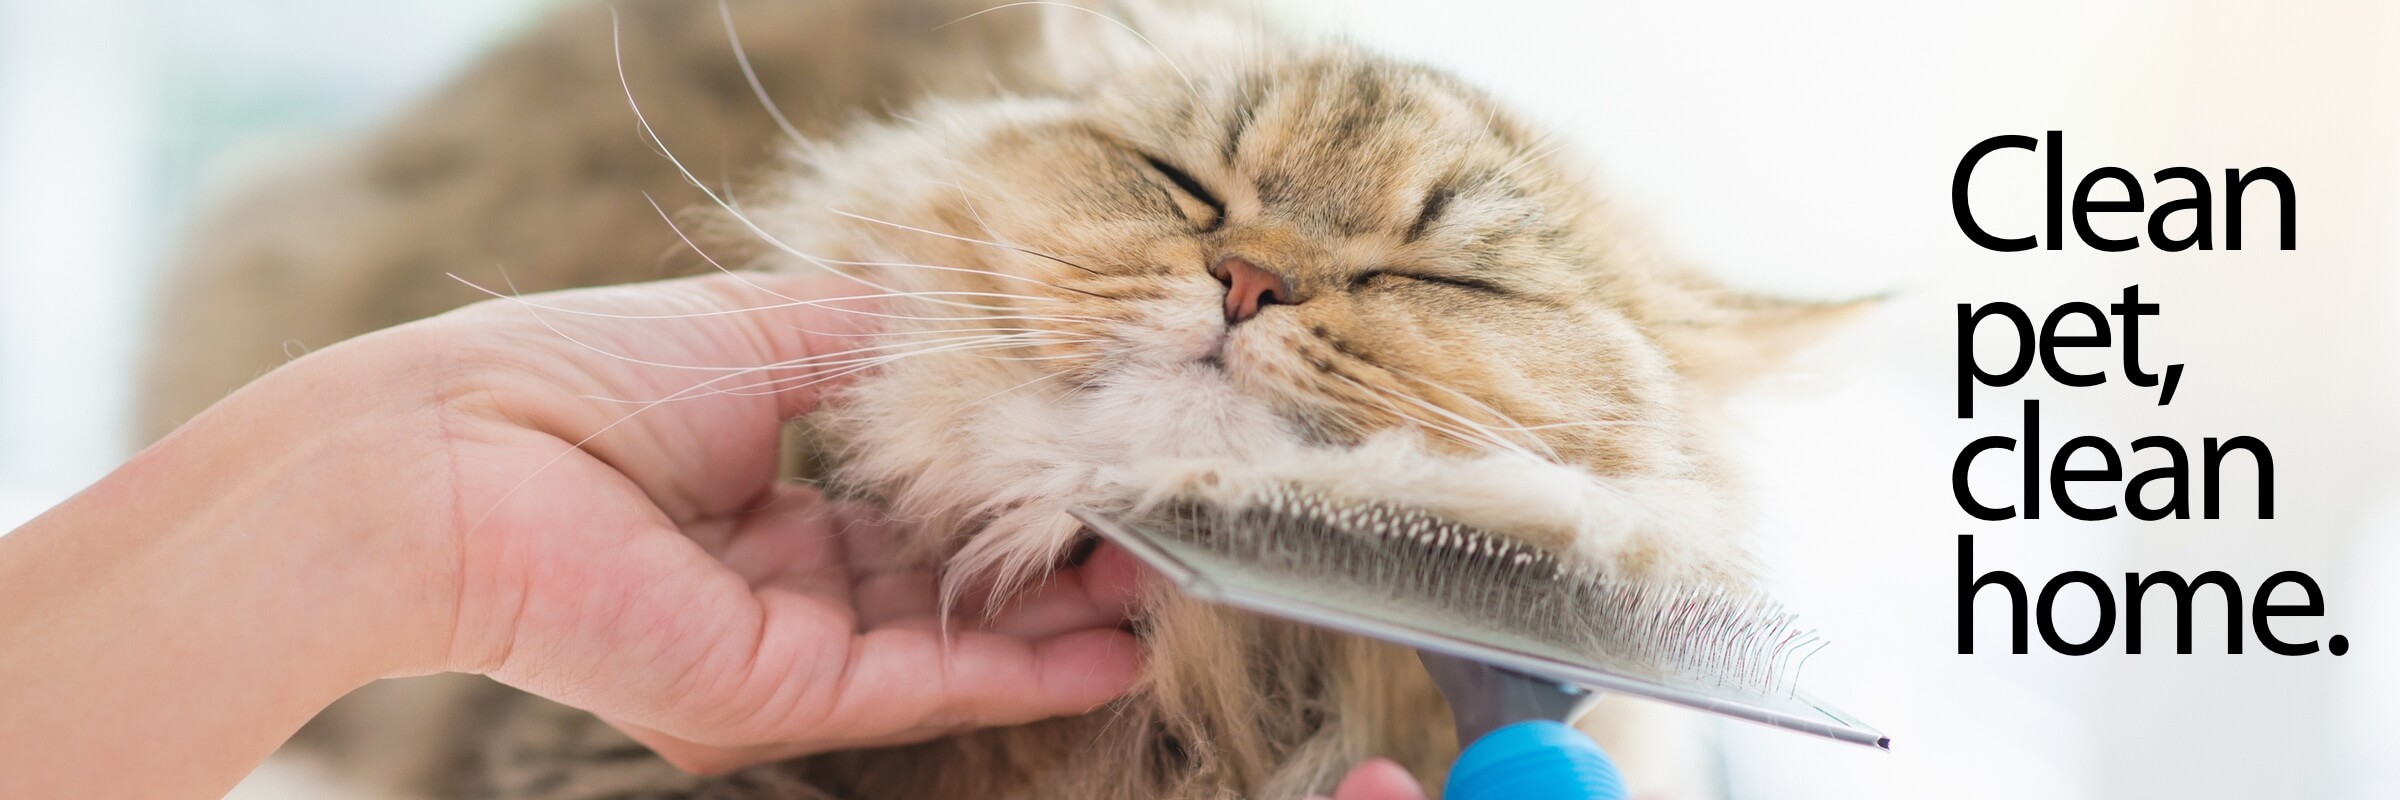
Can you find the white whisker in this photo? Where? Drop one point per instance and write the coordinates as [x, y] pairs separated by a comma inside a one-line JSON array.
[[1481, 429], [968, 270], [932, 331], [997, 240], [826, 303], [687, 240], [1162, 53], [818, 373], [777, 385], [969, 338], [1509, 423], [739, 56], [1457, 426], [1377, 396], [617, 41], [967, 239], [988, 398]]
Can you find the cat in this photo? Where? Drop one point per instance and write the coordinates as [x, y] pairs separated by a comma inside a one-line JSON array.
[[1141, 250]]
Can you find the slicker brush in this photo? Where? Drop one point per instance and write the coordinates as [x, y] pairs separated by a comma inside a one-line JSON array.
[[1516, 637]]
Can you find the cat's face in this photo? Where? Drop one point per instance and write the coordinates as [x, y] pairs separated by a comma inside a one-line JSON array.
[[1235, 251], [1358, 244]]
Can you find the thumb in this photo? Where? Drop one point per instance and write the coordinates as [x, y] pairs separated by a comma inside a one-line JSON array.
[[822, 324], [911, 682]]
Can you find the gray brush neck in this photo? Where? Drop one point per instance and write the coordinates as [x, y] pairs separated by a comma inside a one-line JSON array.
[[1484, 698]]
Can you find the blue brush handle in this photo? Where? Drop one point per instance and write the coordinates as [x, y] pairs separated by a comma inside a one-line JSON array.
[[1534, 760]]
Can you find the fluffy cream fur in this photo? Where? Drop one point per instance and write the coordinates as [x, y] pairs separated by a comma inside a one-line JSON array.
[[1471, 329], [1059, 340]]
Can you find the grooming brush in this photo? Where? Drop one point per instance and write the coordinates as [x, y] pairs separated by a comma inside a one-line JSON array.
[[1517, 640]]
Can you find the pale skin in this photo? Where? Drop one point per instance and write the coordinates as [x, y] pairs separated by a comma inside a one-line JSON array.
[[433, 498]]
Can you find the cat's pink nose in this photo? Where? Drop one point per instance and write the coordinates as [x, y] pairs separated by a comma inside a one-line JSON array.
[[1248, 288]]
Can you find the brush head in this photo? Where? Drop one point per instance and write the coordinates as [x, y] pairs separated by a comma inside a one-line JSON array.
[[1401, 574]]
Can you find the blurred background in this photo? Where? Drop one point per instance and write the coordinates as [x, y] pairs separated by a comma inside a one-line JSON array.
[[1803, 148], [119, 121]]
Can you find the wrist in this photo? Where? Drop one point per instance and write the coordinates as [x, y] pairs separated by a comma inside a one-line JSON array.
[[320, 492], [363, 495], [216, 592]]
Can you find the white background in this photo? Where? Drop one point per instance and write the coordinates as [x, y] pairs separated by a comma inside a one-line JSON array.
[[1800, 147]]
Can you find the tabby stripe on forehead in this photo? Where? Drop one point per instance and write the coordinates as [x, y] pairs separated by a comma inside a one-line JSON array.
[[1243, 114], [1435, 202]]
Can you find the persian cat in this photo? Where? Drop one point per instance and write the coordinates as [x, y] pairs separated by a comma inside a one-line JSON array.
[[1141, 249]]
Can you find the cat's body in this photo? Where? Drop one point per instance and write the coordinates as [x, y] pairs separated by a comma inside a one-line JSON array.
[[530, 164], [1187, 256]]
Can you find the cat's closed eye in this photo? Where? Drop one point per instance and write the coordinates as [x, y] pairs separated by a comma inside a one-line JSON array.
[[1374, 277], [1203, 209]]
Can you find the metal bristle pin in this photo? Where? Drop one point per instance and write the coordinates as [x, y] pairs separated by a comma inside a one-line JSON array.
[[1465, 575], [1515, 616]]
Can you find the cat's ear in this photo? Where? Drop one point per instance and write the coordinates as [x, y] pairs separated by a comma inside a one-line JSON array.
[[1089, 41], [1723, 338]]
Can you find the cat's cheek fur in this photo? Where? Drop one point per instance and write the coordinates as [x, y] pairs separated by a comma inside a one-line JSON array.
[[1182, 329], [981, 466]]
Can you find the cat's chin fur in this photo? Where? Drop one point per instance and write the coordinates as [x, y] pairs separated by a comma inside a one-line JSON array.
[[1000, 468], [1008, 467], [1227, 689]]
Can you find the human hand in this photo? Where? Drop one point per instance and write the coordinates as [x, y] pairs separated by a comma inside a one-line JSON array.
[[657, 575], [1378, 779], [458, 494]]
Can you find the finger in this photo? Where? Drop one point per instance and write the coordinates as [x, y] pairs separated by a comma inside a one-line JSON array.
[[826, 316], [1009, 682], [708, 759], [1114, 578], [912, 679], [910, 596], [872, 542], [1098, 594], [696, 758], [641, 623], [888, 686], [712, 534], [789, 540], [766, 318], [772, 341], [1379, 779]]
